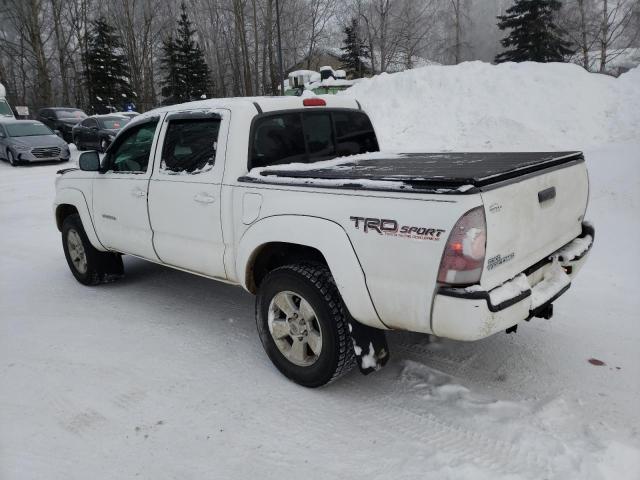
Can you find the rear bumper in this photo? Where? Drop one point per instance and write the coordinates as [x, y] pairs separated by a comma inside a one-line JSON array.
[[472, 313]]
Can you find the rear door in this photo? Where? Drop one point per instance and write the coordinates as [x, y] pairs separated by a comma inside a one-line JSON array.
[[184, 192], [120, 194], [529, 219]]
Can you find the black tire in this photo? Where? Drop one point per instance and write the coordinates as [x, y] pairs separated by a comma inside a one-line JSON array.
[[315, 284], [100, 267], [78, 145], [11, 159], [104, 144]]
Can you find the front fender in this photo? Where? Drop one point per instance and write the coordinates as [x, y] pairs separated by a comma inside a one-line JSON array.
[[327, 237], [75, 197]]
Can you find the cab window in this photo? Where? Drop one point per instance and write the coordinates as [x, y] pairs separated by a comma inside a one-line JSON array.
[[130, 153], [190, 145], [354, 133], [278, 139], [309, 137]]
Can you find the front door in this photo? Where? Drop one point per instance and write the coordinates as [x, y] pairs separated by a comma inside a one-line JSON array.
[[184, 192], [120, 194]]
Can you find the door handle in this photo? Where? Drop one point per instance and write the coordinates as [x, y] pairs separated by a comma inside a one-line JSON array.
[[137, 192], [204, 198]]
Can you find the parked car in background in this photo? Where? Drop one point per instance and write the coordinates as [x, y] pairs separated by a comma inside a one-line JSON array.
[[61, 119], [30, 141], [98, 131]]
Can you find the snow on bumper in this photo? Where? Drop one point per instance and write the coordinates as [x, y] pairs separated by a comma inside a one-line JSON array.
[[473, 313]]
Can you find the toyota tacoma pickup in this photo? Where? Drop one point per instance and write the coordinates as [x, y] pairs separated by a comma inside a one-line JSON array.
[[291, 199]]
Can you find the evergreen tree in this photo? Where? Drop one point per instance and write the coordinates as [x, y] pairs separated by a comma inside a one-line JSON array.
[[107, 69], [169, 64], [354, 51], [186, 73], [533, 35]]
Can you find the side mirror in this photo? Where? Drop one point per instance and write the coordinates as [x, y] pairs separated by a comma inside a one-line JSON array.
[[58, 133], [94, 128], [89, 161]]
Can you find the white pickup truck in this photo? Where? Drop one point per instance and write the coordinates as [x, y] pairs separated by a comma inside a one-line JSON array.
[[291, 199]]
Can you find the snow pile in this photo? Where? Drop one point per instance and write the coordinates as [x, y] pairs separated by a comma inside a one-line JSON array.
[[478, 106]]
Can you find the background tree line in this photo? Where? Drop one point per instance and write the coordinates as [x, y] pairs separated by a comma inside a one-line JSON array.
[[45, 44]]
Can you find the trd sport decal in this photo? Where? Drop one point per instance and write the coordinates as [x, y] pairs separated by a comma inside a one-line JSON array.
[[385, 226]]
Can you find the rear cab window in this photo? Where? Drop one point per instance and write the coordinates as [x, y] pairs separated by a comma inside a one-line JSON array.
[[309, 136]]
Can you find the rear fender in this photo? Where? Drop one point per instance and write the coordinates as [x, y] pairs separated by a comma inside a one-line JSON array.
[[72, 196], [325, 236]]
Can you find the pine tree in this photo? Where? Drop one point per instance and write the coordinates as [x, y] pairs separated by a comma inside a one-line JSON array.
[[354, 51], [186, 73], [533, 35], [169, 64], [107, 69]]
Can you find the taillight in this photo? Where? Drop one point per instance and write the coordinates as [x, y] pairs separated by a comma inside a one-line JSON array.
[[463, 255]]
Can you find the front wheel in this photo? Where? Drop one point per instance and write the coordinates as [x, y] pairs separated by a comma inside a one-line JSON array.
[[104, 145], [302, 324], [88, 265], [11, 158]]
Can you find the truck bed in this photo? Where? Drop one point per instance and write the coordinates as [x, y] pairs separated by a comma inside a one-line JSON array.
[[425, 172]]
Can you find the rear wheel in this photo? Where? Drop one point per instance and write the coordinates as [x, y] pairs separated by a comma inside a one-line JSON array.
[[302, 324], [88, 265]]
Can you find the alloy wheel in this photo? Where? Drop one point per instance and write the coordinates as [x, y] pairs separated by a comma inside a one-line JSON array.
[[294, 328]]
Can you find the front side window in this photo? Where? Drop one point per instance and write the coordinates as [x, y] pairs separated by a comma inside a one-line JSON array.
[[190, 145], [89, 122], [5, 109], [132, 150]]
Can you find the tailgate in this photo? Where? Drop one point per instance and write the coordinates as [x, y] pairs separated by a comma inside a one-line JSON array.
[[529, 219]]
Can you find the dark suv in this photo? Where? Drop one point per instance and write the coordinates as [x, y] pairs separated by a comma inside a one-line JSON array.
[[62, 119]]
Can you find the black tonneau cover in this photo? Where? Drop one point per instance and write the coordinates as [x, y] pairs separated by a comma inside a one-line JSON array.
[[439, 172]]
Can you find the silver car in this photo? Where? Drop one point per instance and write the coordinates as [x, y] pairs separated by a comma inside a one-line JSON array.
[[30, 141]]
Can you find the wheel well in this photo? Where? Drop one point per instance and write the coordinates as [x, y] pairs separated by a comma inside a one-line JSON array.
[[277, 254], [62, 212]]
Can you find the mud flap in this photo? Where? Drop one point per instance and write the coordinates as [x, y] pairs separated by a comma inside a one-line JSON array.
[[370, 347]]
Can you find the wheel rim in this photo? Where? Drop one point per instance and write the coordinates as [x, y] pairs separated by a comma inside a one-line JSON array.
[[103, 144], [76, 251], [12, 160], [295, 328]]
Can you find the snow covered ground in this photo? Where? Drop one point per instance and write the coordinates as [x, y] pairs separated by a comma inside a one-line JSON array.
[[162, 375]]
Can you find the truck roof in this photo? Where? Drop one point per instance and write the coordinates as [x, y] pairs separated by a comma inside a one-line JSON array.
[[261, 104]]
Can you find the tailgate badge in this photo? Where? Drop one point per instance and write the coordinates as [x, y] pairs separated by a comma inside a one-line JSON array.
[[498, 260], [495, 207]]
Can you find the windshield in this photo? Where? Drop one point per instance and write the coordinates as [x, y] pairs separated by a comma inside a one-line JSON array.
[[113, 123], [5, 109], [27, 129], [71, 114]]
